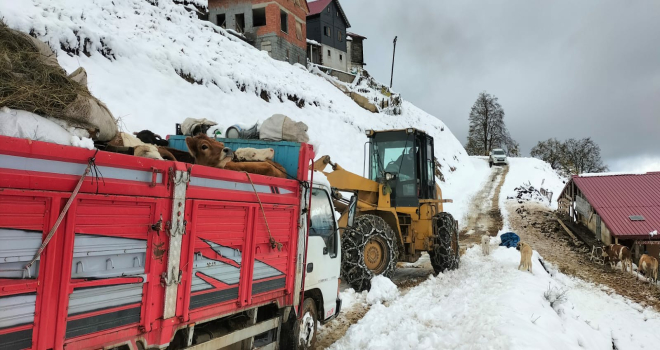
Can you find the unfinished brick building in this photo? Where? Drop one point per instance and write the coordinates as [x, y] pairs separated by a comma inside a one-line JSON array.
[[276, 26]]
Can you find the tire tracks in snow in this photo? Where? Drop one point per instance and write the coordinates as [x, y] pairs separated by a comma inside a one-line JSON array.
[[483, 217]]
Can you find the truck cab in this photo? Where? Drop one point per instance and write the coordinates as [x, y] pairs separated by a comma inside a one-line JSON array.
[[321, 302]]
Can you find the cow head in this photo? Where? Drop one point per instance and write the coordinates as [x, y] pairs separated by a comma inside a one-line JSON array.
[[208, 151]]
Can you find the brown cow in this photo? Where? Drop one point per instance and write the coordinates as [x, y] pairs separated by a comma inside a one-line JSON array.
[[616, 253], [169, 153], [210, 152], [648, 265]]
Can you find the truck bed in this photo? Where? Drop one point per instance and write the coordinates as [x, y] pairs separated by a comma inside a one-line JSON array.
[[146, 248]]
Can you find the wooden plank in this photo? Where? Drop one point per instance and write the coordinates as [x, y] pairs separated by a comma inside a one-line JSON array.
[[566, 229]]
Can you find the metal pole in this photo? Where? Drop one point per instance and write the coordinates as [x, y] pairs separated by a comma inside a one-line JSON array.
[[393, 53]]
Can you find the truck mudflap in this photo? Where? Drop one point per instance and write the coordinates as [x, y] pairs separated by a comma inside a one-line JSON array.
[[337, 311]]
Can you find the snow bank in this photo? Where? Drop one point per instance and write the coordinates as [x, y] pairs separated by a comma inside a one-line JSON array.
[[488, 304], [155, 64], [535, 172], [382, 290]]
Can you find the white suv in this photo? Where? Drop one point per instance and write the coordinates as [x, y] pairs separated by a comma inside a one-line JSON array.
[[497, 156]]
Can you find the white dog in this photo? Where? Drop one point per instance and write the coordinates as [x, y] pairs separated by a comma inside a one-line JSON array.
[[254, 155], [485, 244]]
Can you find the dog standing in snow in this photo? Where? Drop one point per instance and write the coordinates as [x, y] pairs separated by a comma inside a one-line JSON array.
[[525, 256], [485, 245]]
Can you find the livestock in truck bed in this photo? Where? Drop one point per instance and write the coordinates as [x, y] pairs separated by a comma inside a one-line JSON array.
[[146, 249]]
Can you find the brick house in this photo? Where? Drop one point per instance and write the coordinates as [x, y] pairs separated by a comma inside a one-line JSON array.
[[326, 25], [275, 26]]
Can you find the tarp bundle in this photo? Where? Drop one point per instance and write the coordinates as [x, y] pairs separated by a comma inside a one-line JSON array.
[[32, 80], [509, 240], [281, 128]]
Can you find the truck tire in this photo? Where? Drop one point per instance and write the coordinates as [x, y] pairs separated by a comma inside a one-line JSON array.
[[369, 248], [445, 253], [300, 334]]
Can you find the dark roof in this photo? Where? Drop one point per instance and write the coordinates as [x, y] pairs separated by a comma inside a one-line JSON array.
[[353, 35], [318, 6], [617, 197]]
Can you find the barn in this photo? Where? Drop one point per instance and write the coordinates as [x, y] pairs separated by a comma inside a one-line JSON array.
[[622, 209]]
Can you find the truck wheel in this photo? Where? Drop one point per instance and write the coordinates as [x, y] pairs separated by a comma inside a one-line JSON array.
[[368, 249], [445, 252], [300, 334]]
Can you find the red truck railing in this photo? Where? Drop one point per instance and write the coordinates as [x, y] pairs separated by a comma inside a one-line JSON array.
[[147, 247]]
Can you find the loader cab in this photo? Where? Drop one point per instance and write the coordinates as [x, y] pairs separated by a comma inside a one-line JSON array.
[[403, 161]]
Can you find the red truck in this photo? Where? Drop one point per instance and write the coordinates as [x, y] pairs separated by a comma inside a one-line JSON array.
[[105, 250]]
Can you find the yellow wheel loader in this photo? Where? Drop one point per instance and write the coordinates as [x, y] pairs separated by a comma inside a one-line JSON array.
[[396, 213]]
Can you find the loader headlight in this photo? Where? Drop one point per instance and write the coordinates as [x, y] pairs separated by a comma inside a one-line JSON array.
[[369, 133], [390, 176]]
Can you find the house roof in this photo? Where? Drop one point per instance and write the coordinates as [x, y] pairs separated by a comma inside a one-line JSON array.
[[353, 35], [617, 197], [318, 6]]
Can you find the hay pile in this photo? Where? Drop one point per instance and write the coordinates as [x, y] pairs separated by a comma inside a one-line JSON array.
[[32, 80]]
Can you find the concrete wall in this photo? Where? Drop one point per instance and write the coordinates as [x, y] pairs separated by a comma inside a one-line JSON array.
[[355, 52], [334, 58], [280, 49]]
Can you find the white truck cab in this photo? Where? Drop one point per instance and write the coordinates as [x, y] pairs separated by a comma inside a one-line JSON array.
[[321, 297]]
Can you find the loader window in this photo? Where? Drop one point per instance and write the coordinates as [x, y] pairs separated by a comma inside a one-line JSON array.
[[323, 220]]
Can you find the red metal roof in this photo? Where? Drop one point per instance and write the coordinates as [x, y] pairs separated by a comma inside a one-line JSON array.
[[616, 197], [316, 7]]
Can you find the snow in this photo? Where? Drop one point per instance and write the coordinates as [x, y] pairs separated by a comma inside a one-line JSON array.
[[82, 142], [313, 42], [147, 49], [488, 304], [653, 233], [461, 190], [535, 172], [382, 290]]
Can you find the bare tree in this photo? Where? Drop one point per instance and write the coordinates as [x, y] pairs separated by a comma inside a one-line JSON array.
[[551, 151], [571, 156], [582, 156], [487, 128]]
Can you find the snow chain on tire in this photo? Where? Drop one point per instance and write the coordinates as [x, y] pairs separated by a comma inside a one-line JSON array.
[[353, 268], [443, 255]]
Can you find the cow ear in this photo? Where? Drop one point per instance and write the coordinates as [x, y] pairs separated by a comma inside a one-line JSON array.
[[192, 146]]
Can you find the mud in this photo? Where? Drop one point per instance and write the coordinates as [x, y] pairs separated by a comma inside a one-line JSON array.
[[538, 226], [484, 215]]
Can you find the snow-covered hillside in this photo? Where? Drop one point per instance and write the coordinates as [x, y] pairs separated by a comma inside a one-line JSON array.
[[136, 52], [488, 304]]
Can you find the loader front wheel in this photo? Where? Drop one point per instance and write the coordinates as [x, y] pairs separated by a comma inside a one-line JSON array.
[[368, 249], [445, 252]]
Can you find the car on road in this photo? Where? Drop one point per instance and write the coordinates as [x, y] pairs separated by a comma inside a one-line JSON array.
[[497, 156]]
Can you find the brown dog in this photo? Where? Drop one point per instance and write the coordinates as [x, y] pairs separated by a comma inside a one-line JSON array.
[[210, 152], [525, 256]]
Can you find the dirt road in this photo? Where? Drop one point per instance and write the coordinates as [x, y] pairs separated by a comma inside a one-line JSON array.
[[537, 225], [484, 218]]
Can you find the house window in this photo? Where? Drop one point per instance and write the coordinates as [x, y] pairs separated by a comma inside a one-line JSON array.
[[327, 31], [339, 36], [259, 17], [329, 54], [240, 23], [284, 21], [341, 57], [222, 21], [299, 35], [328, 9]]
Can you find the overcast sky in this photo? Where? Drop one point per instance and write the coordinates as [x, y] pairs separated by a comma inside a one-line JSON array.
[[560, 69]]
